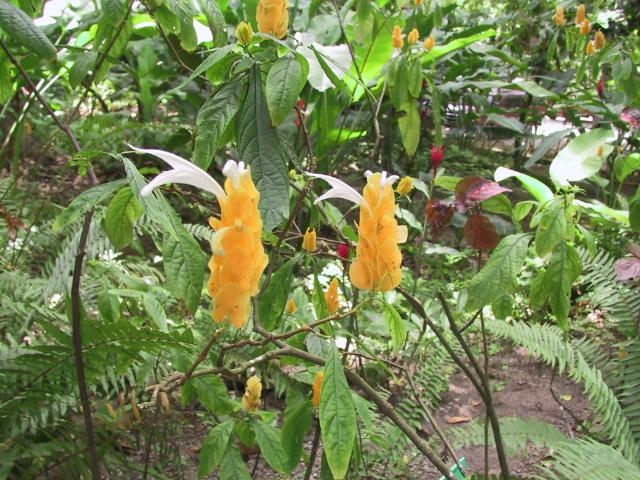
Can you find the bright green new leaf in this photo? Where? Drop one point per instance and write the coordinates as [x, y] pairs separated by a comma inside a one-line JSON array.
[[232, 466], [214, 447], [522, 209], [259, 146], [268, 439], [447, 182], [623, 166], [564, 267], [297, 421], [274, 299], [441, 50], [498, 276], [582, 157], [337, 416], [122, 212], [184, 265], [17, 25], [535, 187], [284, 84], [409, 124], [551, 220], [396, 326], [214, 117]]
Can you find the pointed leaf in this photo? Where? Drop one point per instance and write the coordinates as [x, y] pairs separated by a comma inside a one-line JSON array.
[[214, 448], [218, 55], [337, 416], [213, 394], [475, 189], [535, 187], [284, 84], [123, 210], [297, 421], [507, 122], [18, 26], [564, 267], [232, 466], [268, 439], [552, 226], [274, 299], [259, 147], [623, 166], [396, 326], [409, 125]]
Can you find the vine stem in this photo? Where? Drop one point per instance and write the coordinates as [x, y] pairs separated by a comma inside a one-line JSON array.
[[314, 450], [76, 315]]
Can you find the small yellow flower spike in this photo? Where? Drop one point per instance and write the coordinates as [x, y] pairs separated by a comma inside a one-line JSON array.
[[405, 186], [581, 14], [273, 17], [430, 42], [238, 258], [418, 3], [585, 27], [600, 40], [252, 393], [244, 33], [591, 48], [309, 240], [413, 36], [396, 37], [317, 388], [291, 306], [332, 297], [559, 18]]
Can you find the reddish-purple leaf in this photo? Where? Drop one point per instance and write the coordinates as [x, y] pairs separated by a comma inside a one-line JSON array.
[[475, 189], [628, 268], [438, 215], [634, 250], [480, 233]]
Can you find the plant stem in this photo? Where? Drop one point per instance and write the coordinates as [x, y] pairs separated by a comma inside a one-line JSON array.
[[314, 450]]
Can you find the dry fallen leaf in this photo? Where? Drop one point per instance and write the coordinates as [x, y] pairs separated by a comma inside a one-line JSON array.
[[458, 419], [566, 397]]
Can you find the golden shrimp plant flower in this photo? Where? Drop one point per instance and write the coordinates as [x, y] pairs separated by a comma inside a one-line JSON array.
[[377, 266], [273, 17], [252, 394], [238, 257], [332, 296]]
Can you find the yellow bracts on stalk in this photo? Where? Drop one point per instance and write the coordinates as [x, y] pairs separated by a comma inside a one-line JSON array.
[[429, 42], [396, 37], [581, 14], [332, 296], [309, 241], [238, 257], [317, 388], [378, 257], [273, 17], [252, 394], [559, 17], [413, 36]]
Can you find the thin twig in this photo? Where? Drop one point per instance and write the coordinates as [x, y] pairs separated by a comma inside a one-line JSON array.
[[314, 450], [203, 354]]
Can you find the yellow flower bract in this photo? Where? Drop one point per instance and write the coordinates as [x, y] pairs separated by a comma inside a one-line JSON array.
[[378, 258], [600, 40], [413, 36], [559, 18], [405, 186], [309, 241], [581, 14], [238, 258], [317, 388], [273, 17], [332, 297], [429, 42], [396, 37], [252, 394]]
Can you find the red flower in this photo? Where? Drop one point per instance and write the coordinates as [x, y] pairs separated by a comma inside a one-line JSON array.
[[600, 88], [343, 251], [437, 155]]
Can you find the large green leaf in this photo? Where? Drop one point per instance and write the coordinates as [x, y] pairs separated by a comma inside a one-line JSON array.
[[214, 117], [507, 122], [268, 439], [216, 21], [123, 210], [551, 219], [259, 146], [218, 55], [213, 394], [409, 125], [297, 421], [498, 276], [396, 326], [440, 51], [17, 25], [564, 267], [184, 265], [623, 166], [535, 187], [582, 157], [274, 299], [284, 84], [232, 466], [214, 448], [337, 416], [81, 67]]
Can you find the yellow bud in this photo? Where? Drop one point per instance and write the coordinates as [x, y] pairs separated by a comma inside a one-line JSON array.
[[585, 27], [332, 297], [273, 17], [559, 17], [396, 37], [291, 306], [430, 42], [600, 40], [581, 14], [418, 2], [309, 241], [600, 151], [252, 393], [591, 48], [413, 36], [405, 186], [244, 33], [317, 388]]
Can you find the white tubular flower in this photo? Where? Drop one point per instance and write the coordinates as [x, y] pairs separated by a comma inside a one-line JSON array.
[[339, 189]]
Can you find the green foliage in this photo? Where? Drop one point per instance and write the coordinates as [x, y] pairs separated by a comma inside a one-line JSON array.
[[18, 25]]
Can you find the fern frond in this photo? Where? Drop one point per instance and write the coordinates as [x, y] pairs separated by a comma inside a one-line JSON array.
[[547, 342]]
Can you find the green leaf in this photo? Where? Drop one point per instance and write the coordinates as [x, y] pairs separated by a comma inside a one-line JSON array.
[[81, 67], [409, 125], [498, 276], [297, 421], [546, 145], [522, 209], [503, 306], [507, 122], [447, 182], [564, 267], [582, 157], [535, 187], [216, 21], [184, 265], [552, 226], [6, 84], [218, 55], [85, 201], [213, 394], [268, 439], [232, 466], [337, 416], [18, 26], [259, 146], [318, 299], [634, 212], [396, 326], [214, 447], [274, 299], [440, 51], [284, 84], [415, 79], [625, 166], [214, 117], [122, 212]]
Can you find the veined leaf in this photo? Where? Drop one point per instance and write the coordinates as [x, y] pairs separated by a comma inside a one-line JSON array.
[[21, 28], [564, 267], [213, 394], [507, 122], [498, 276], [535, 187], [216, 21], [297, 421], [551, 219], [274, 298], [123, 210], [409, 125], [214, 448], [396, 326], [268, 439], [259, 147], [232, 466], [337, 416], [284, 84], [623, 166], [218, 55]]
